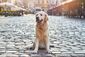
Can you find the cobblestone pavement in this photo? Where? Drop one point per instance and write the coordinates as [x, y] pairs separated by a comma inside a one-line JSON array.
[[67, 36]]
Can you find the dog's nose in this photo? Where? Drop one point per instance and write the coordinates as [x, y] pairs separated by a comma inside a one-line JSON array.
[[37, 18]]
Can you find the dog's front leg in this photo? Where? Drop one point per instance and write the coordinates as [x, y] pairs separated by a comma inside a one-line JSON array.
[[47, 45], [36, 45]]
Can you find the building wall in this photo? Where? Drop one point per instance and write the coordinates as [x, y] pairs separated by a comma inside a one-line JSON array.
[[41, 3], [11, 1], [71, 9], [25, 3], [52, 3], [22, 3], [0, 1], [4, 0], [31, 4], [60, 1]]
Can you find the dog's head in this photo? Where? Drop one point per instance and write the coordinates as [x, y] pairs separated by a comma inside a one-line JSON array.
[[41, 17]]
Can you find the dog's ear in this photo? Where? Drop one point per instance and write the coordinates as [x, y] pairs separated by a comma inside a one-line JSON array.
[[46, 18]]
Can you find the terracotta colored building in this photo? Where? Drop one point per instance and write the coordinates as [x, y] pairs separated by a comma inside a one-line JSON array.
[[73, 8]]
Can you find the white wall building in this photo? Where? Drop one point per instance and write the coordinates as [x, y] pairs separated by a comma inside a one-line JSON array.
[[11, 1], [60, 1], [43, 4], [52, 2], [0, 1]]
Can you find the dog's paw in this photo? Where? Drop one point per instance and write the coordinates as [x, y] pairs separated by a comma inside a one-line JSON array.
[[48, 51], [35, 51]]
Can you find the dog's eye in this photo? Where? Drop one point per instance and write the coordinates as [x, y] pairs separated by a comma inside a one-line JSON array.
[[41, 14]]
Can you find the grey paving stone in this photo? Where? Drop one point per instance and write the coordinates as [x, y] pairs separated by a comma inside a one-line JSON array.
[[56, 52], [35, 55], [1, 48], [2, 52], [83, 34], [47, 55], [64, 49], [68, 52], [77, 55], [11, 55], [24, 55], [79, 51], [2, 55], [71, 33], [10, 48], [82, 44], [64, 33], [42, 55], [12, 52], [64, 55]]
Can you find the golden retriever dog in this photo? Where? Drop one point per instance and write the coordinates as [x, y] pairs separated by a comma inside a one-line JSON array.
[[41, 41]]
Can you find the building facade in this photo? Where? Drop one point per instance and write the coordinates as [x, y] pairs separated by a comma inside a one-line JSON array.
[[42, 4], [60, 1], [22, 3], [70, 8]]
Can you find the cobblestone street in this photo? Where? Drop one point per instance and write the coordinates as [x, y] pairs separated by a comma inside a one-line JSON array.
[[66, 35]]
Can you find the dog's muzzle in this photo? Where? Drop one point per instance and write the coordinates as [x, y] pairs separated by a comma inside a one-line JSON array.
[[37, 19]]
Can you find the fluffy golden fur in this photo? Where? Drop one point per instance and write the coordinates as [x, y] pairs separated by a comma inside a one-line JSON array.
[[41, 41]]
